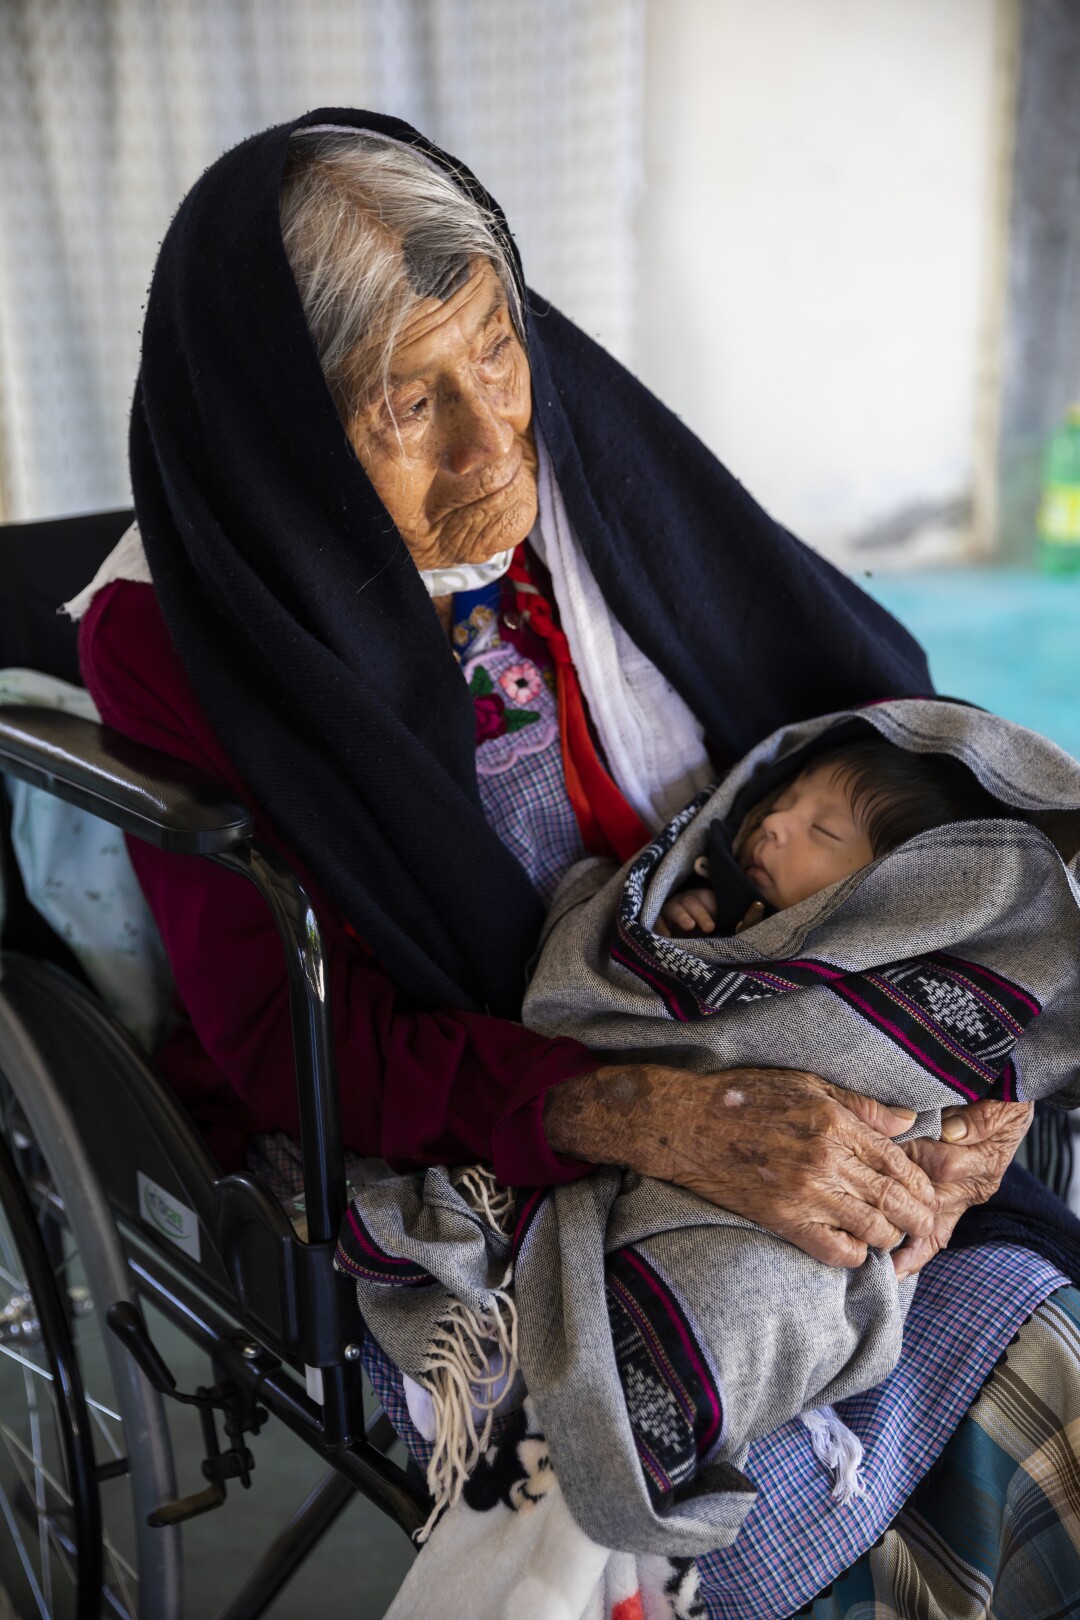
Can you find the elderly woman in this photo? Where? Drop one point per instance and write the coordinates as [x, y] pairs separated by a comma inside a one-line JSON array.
[[451, 599]]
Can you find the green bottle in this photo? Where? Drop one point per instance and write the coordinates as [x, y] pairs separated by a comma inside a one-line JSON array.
[[1059, 508]]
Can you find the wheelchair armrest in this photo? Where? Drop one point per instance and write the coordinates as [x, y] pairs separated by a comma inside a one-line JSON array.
[[138, 789]]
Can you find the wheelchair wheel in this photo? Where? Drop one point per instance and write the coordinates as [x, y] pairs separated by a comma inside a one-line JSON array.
[[85, 1454], [48, 1476]]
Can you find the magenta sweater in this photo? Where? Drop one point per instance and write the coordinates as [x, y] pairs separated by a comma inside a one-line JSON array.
[[416, 1087]]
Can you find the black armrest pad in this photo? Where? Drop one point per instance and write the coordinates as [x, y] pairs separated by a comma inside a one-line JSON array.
[[140, 790]]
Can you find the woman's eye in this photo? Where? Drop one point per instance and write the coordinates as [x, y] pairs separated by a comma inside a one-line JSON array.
[[415, 412], [499, 352]]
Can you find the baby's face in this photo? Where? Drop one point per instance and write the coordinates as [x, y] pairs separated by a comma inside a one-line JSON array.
[[809, 839]]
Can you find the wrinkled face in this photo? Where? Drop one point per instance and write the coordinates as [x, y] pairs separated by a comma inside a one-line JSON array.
[[809, 839], [449, 448]]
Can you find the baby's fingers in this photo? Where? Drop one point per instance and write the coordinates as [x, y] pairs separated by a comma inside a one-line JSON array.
[[677, 917], [701, 906]]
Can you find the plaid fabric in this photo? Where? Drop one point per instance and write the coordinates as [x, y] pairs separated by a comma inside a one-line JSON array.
[[995, 1528], [796, 1539], [527, 806], [276, 1158], [968, 1306], [519, 769]]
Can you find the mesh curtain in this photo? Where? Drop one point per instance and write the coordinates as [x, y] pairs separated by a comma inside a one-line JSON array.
[[110, 109]]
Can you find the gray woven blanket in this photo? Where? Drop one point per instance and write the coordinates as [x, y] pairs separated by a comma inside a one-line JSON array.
[[657, 1334]]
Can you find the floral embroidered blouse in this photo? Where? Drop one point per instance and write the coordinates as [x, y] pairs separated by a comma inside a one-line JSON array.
[[519, 761]]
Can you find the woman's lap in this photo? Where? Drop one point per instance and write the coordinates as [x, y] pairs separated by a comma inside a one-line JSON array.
[[995, 1526], [969, 1305], [796, 1540]]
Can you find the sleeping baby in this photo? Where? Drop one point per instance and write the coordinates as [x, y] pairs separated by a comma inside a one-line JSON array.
[[850, 804], [879, 907], [885, 897]]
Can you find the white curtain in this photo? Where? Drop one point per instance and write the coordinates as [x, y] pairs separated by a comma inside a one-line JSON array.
[[110, 109]]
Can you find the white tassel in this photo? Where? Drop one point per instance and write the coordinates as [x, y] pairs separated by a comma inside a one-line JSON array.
[[477, 1185], [839, 1449], [460, 1372]]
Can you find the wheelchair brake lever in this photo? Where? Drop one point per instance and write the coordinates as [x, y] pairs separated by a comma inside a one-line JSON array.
[[126, 1321]]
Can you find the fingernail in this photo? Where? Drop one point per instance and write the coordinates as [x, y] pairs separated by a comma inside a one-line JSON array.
[[905, 1113], [953, 1130]]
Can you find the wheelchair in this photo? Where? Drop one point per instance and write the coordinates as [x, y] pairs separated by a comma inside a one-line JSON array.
[[110, 1200]]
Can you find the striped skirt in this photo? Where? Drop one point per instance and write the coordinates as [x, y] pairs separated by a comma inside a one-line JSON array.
[[994, 1529]]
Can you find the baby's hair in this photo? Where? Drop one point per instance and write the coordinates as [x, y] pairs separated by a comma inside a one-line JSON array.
[[896, 794]]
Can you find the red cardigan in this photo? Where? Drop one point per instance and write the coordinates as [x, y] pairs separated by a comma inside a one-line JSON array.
[[416, 1087]]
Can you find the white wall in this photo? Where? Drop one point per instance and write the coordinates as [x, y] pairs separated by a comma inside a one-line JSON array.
[[811, 242], [816, 243], [110, 109]]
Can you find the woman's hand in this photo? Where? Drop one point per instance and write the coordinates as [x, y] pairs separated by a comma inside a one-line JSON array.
[[966, 1168], [810, 1162]]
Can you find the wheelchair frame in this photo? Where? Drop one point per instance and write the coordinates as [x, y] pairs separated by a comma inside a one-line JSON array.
[[280, 1325]]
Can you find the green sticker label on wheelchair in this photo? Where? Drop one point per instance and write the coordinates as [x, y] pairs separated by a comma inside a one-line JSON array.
[[167, 1215]]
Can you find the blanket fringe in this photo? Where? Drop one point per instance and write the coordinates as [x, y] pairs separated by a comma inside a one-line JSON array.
[[471, 1362], [839, 1449]]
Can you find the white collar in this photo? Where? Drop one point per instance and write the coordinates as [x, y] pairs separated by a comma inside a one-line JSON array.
[[126, 560], [466, 576]]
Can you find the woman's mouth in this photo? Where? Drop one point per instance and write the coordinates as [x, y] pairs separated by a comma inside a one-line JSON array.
[[506, 478]]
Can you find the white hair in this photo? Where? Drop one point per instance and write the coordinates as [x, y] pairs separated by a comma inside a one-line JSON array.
[[372, 228]]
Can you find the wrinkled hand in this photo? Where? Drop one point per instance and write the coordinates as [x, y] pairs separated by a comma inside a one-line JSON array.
[[966, 1168], [810, 1162]]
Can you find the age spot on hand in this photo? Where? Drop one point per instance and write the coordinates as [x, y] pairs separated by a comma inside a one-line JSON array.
[[734, 1098], [625, 1090]]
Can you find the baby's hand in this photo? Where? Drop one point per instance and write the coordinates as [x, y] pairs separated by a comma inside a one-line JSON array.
[[691, 912]]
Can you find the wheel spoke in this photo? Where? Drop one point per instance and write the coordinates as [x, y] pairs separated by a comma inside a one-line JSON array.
[[18, 1448], [124, 1573], [31, 1366], [34, 1440], [40, 1504], [63, 1545], [13, 1283], [24, 1558], [119, 1603], [99, 1411], [63, 1548]]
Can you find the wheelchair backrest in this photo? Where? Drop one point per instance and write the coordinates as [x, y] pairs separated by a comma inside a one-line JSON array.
[[41, 565]]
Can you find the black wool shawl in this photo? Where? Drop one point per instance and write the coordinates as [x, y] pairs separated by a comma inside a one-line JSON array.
[[308, 635]]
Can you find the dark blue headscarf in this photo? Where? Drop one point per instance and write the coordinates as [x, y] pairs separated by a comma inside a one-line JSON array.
[[306, 630]]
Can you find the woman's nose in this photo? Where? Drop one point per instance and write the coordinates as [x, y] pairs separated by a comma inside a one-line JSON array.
[[479, 435]]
